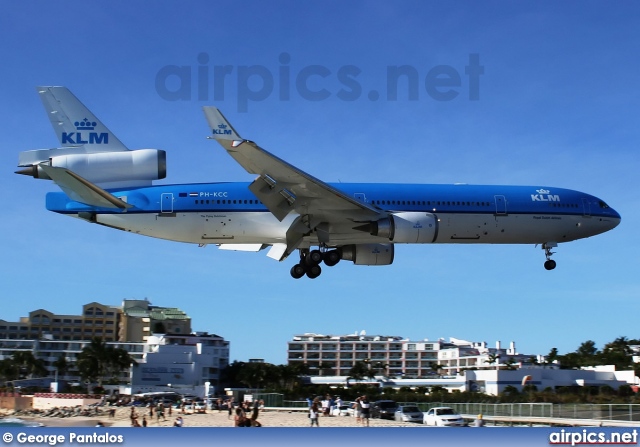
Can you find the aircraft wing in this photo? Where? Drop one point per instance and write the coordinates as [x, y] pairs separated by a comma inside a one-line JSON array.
[[282, 187]]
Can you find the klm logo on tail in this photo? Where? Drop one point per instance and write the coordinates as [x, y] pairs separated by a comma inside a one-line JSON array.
[[544, 196], [77, 137], [221, 130]]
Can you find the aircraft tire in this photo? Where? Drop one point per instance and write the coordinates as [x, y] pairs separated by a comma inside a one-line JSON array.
[[314, 257], [550, 264], [313, 271], [331, 258], [297, 271]]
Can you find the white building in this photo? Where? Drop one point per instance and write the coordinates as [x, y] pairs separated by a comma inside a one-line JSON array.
[[494, 382], [51, 351], [182, 363], [394, 356]]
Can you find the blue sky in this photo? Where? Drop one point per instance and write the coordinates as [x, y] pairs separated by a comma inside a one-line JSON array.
[[557, 106]]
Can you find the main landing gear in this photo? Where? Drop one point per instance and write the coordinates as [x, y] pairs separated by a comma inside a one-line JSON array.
[[310, 262], [549, 264]]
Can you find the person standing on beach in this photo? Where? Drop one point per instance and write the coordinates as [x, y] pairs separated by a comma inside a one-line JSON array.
[[313, 414], [230, 407], [133, 417], [357, 406], [366, 405]]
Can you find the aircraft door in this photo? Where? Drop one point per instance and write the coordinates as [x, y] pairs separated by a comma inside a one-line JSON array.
[[586, 208], [166, 202], [360, 196], [501, 205]]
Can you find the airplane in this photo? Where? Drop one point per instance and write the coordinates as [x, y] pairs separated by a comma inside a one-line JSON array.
[[286, 209]]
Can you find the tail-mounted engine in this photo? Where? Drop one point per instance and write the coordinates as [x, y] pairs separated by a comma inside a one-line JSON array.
[[109, 167]]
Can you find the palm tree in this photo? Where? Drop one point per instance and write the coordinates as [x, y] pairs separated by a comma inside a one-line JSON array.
[[29, 366], [617, 353], [99, 360], [61, 365], [552, 356], [9, 370], [493, 358], [255, 375], [384, 367], [436, 367], [358, 372]]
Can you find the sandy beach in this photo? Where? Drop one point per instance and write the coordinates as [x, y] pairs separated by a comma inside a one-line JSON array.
[[268, 418]]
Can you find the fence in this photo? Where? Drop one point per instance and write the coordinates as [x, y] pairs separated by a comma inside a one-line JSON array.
[[600, 412]]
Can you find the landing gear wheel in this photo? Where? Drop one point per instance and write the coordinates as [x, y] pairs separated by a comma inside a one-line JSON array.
[[331, 258], [314, 257], [550, 264], [313, 271], [297, 271]]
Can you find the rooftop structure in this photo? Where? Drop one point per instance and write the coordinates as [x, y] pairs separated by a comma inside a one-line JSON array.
[[133, 321]]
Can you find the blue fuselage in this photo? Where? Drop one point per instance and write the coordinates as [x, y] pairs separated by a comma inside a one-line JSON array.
[[465, 213]]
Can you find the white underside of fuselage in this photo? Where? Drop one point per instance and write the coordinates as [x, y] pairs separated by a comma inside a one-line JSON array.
[[263, 228]]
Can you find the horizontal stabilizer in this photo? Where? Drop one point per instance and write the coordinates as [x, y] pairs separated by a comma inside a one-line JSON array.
[[83, 191]]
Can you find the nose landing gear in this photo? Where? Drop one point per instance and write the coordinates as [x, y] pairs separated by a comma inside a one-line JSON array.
[[549, 264]]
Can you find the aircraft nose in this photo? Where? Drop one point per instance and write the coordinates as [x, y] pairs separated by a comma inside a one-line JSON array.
[[614, 219]]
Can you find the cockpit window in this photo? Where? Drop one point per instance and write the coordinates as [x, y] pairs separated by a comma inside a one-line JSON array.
[[603, 205]]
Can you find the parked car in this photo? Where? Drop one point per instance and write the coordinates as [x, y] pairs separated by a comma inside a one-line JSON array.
[[342, 410], [443, 417], [408, 413], [383, 409]]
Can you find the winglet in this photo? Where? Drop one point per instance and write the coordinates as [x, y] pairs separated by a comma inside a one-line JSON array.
[[220, 127]]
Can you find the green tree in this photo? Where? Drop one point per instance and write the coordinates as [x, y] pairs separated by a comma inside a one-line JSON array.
[[98, 361], [258, 375], [28, 365], [9, 370], [493, 358], [617, 353], [552, 356], [358, 372], [588, 353], [61, 365]]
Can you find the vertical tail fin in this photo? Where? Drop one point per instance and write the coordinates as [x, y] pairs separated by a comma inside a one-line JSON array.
[[74, 124]]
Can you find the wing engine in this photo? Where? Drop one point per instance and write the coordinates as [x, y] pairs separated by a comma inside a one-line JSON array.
[[368, 254], [404, 228]]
